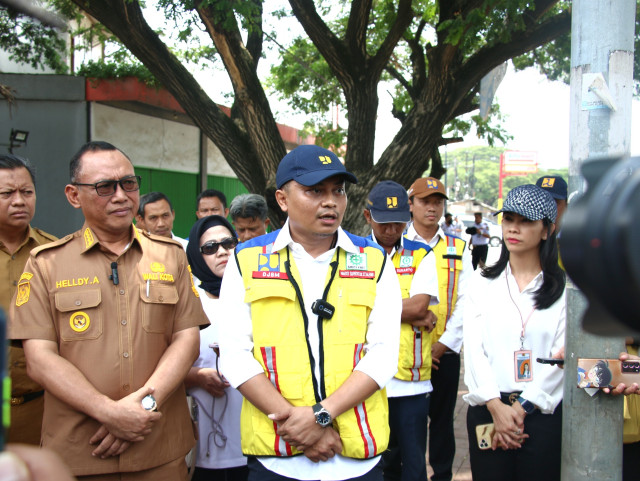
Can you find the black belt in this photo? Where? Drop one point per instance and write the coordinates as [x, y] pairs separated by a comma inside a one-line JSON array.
[[509, 397], [25, 398]]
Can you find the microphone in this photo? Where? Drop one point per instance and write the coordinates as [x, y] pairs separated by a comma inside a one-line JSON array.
[[114, 273]]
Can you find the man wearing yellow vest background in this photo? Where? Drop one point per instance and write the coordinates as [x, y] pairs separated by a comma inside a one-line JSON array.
[[387, 212], [309, 333], [453, 265]]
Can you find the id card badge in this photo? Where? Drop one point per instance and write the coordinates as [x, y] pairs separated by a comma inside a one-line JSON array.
[[523, 367]]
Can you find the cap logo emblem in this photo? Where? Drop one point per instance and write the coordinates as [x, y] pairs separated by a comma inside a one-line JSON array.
[[392, 202], [432, 184], [548, 182], [325, 159]]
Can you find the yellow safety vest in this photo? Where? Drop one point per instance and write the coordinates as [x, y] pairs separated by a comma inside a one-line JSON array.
[[280, 345], [448, 253], [414, 361]]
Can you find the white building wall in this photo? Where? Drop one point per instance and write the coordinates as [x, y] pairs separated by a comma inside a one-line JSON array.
[[155, 142]]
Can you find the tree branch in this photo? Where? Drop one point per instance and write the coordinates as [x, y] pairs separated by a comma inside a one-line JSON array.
[[356, 34], [401, 23], [521, 42]]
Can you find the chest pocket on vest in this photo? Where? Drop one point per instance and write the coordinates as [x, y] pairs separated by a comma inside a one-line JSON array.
[[444, 264], [273, 303], [352, 326], [79, 314], [157, 308]]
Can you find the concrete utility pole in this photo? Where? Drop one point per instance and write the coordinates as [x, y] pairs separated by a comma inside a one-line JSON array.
[[601, 43]]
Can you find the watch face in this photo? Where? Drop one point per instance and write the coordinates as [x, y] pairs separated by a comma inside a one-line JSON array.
[[149, 403], [323, 418]]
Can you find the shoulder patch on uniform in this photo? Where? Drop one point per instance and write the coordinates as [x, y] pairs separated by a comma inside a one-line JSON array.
[[24, 289], [193, 285]]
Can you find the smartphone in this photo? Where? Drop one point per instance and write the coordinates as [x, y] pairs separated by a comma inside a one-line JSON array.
[[550, 360], [484, 434]]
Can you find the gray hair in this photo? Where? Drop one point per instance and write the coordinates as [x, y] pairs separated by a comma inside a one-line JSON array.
[[252, 206]]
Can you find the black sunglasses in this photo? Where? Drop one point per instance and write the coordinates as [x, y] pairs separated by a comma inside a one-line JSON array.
[[130, 183], [211, 247]]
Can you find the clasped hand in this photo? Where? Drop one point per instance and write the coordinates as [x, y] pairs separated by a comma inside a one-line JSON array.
[[509, 425], [124, 422], [298, 427]]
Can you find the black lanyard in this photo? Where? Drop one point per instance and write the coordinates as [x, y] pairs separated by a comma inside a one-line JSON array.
[[319, 391]]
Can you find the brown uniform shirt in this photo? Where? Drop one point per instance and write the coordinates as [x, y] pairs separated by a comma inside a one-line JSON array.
[[26, 418], [114, 334]]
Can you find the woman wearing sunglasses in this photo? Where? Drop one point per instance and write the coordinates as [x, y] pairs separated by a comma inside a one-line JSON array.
[[219, 456], [514, 314]]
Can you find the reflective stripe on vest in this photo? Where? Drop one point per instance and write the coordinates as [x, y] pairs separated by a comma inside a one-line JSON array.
[[277, 328], [414, 360]]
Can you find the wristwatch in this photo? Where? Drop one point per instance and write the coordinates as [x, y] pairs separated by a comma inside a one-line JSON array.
[[149, 403], [323, 418], [528, 406]]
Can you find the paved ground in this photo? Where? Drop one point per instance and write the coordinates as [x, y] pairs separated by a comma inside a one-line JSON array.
[[461, 466]]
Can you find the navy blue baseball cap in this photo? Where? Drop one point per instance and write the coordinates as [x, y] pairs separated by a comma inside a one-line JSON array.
[[555, 185], [388, 202], [309, 165], [530, 201]]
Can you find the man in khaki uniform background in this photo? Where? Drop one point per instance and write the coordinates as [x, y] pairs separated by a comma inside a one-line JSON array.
[[17, 238], [109, 322]]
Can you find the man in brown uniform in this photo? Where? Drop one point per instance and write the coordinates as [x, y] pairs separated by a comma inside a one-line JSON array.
[[109, 322], [17, 238]]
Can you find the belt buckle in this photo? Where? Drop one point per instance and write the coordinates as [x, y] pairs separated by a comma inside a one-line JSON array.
[[513, 397], [17, 401]]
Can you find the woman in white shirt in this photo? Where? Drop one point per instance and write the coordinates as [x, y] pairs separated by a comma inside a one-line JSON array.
[[219, 455], [514, 314]]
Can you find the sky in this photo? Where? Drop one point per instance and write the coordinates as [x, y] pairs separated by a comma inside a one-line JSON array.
[[537, 117], [536, 110]]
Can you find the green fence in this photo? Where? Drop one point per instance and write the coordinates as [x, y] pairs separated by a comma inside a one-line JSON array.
[[183, 188]]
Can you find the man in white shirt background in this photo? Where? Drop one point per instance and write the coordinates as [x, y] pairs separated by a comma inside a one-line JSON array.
[[448, 227], [310, 333], [480, 241], [453, 265]]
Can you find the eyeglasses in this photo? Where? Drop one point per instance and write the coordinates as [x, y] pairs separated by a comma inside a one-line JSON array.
[[211, 247], [130, 183]]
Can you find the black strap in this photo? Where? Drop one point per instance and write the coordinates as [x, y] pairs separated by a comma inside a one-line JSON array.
[[334, 269], [296, 287], [318, 388]]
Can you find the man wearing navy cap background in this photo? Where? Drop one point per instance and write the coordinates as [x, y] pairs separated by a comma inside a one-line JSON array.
[[387, 212], [557, 187], [310, 333]]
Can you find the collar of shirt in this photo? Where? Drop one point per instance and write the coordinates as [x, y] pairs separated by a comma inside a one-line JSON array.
[[399, 244], [413, 235], [534, 285], [284, 239], [90, 239], [30, 235]]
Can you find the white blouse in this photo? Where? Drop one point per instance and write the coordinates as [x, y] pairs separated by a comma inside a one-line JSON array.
[[493, 316]]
